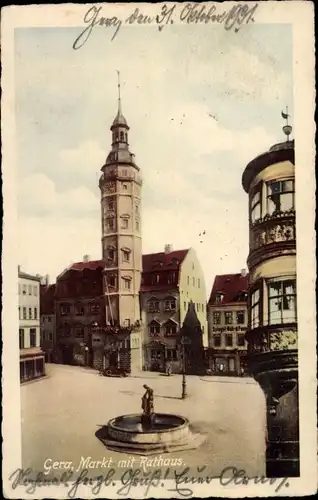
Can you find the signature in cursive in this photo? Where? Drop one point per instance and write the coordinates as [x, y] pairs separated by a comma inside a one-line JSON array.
[[190, 13], [184, 480]]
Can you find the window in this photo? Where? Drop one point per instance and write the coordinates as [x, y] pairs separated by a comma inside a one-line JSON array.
[[112, 280], [256, 206], [24, 289], [228, 340], [122, 137], [185, 306], [217, 340], [216, 318], [79, 332], [171, 354], [170, 304], [79, 309], [30, 313], [49, 319], [35, 290], [153, 305], [21, 338], [170, 328], [50, 336], [193, 281], [111, 253], [137, 225], [35, 313], [124, 187], [137, 209], [24, 313], [198, 282], [65, 309], [240, 317], [241, 339], [155, 278], [94, 307], [188, 280], [228, 317], [255, 302], [19, 312], [280, 196], [218, 297], [30, 289], [32, 337], [127, 283], [124, 223], [126, 255], [111, 205], [282, 302], [110, 223], [154, 328]]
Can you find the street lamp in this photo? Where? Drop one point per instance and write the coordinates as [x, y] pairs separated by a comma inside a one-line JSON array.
[[184, 341]]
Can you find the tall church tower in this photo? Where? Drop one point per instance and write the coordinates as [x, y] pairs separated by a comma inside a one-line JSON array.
[[120, 185]]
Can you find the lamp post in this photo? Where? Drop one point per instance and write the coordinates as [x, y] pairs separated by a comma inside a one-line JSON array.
[[184, 341]]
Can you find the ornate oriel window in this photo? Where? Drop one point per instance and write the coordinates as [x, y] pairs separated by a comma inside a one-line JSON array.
[[255, 308], [153, 305], [170, 304], [255, 208], [280, 196], [154, 328], [282, 302]]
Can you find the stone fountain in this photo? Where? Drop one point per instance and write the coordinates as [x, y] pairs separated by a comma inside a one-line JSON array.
[[149, 433]]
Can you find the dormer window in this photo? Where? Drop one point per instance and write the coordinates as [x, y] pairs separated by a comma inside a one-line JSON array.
[[154, 328], [170, 328], [171, 278], [155, 278], [219, 297]]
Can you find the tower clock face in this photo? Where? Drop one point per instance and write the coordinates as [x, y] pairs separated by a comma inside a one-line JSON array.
[[110, 187]]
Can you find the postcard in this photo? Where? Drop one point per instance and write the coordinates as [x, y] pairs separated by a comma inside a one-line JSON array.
[[159, 315]]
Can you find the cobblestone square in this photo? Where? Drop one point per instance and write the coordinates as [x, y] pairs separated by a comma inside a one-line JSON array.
[[61, 413]]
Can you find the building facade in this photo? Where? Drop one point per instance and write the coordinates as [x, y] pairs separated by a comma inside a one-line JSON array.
[[79, 307], [227, 324], [170, 281], [120, 186], [48, 323], [32, 364], [272, 335]]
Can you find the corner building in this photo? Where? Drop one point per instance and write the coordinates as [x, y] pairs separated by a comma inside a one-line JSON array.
[[120, 186], [272, 333]]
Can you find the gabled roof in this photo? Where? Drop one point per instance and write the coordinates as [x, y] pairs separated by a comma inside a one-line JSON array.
[[91, 265], [230, 286]]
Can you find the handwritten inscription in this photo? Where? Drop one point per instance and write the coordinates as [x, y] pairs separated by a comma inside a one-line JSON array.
[[191, 13], [184, 480]]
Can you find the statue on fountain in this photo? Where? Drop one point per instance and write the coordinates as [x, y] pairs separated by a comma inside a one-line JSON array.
[[147, 407]]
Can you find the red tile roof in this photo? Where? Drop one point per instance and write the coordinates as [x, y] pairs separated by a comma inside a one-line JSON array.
[[164, 265], [163, 261], [231, 286], [47, 297]]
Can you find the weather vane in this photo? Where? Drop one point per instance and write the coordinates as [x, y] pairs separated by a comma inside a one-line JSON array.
[[287, 129]]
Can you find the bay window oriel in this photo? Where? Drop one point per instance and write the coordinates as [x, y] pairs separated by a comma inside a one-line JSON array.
[[282, 301], [280, 196]]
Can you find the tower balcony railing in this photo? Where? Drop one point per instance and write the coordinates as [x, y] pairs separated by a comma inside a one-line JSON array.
[[276, 215]]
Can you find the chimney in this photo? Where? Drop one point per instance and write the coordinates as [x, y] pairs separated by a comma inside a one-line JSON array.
[[243, 272], [86, 258], [47, 280], [168, 248]]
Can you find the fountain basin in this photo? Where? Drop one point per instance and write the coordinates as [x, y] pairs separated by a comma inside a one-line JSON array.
[[167, 433]]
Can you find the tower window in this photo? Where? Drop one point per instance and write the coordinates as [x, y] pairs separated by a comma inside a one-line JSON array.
[[122, 136], [124, 223], [111, 254], [126, 137], [127, 283], [137, 225], [111, 205], [126, 255], [112, 280], [110, 223], [280, 196], [125, 187]]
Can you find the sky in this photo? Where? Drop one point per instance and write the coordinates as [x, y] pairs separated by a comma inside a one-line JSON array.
[[201, 102]]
